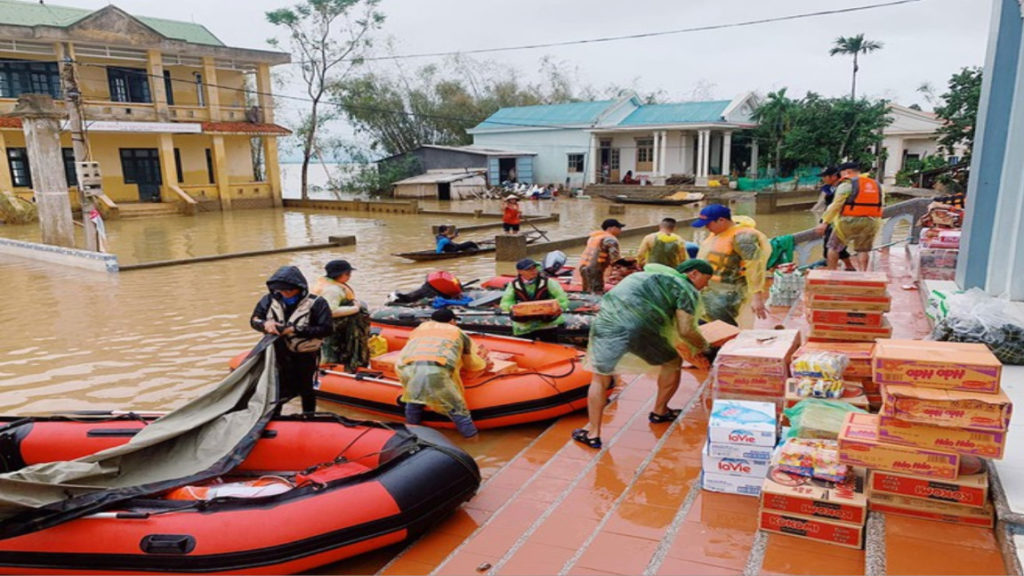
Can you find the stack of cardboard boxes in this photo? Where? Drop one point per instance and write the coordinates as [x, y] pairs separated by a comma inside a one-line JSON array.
[[862, 391], [939, 250], [816, 510], [847, 306], [755, 365], [942, 412], [741, 435]]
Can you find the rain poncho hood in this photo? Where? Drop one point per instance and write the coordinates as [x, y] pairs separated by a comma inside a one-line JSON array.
[[205, 438], [430, 367], [289, 275]]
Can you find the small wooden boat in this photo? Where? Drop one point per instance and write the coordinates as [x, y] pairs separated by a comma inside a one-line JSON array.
[[532, 381], [485, 246], [574, 332], [689, 198], [310, 492]]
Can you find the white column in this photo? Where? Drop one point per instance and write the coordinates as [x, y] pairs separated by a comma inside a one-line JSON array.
[[685, 152], [705, 169], [656, 151], [700, 153], [753, 159], [663, 169], [726, 152], [594, 161]]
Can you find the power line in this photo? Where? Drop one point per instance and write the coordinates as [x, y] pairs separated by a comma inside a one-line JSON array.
[[641, 35]]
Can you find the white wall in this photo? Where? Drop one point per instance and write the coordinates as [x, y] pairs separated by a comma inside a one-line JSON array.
[[552, 147]]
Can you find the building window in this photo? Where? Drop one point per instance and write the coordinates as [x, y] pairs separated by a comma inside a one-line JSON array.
[[209, 165], [200, 93], [17, 161], [168, 87], [69, 166], [19, 77], [128, 85], [575, 163], [644, 154], [177, 165], [613, 163]]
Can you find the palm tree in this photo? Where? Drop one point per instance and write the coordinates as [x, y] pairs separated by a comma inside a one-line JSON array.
[[855, 45]]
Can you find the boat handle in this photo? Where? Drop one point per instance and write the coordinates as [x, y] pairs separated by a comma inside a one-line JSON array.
[[168, 544]]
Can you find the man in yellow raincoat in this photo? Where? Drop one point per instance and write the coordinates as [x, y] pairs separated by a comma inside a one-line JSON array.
[[347, 344], [429, 368], [855, 215], [648, 320], [738, 255], [663, 247]]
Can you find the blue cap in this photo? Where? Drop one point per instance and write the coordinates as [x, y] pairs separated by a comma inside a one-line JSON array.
[[710, 213]]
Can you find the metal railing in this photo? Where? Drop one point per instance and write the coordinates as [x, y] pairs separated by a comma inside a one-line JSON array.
[[906, 213]]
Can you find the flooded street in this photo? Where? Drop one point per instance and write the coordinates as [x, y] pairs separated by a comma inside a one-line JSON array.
[[151, 339]]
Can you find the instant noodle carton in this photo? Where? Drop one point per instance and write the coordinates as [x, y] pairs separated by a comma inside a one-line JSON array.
[[855, 303], [984, 443], [932, 510], [732, 381], [850, 333], [759, 352], [859, 354], [839, 533], [845, 317], [947, 408], [733, 466], [845, 502], [945, 365], [860, 445], [537, 309], [744, 423], [729, 484], [717, 333], [836, 282], [967, 490]]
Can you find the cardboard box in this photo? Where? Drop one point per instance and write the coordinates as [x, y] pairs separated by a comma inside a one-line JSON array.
[[733, 466], [948, 408], [760, 351], [735, 382], [739, 451], [945, 365], [834, 282], [727, 484], [845, 317], [856, 303], [838, 533], [744, 423], [983, 443], [717, 333], [536, 309], [860, 445], [852, 394], [851, 333], [967, 490], [791, 494], [932, 510], [859, 354], [774, 400]]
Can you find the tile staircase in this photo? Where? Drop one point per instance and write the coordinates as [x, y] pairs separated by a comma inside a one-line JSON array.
[[146, 209]]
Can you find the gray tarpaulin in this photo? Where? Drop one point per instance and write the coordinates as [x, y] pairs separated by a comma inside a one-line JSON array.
[[203, 439]]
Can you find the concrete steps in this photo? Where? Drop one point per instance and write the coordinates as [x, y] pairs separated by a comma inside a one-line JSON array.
[[146, 209]]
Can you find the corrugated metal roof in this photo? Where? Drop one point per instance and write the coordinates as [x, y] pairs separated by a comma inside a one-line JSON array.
[[443, 176], [677, 113], [569, 114], [17, 13]]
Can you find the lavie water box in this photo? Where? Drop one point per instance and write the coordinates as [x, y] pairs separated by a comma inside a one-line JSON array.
[[742, 422]]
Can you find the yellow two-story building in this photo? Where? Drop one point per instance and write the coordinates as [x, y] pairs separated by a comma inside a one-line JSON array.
[[172, 115]]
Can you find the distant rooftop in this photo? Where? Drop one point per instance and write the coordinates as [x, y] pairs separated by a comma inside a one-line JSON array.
[[17, 13], [570, 114], [589, 114], [677, 113]]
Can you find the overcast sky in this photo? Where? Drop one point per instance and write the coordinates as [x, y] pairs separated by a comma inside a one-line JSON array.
[[925, 41]]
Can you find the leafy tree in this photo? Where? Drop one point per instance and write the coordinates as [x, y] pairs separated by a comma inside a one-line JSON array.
[[775, 119], [328, 38], [959, 109], [854, 45]]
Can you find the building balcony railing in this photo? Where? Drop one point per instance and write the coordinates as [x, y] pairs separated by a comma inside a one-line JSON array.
[[189, 113], [124, 111], [146, 111]]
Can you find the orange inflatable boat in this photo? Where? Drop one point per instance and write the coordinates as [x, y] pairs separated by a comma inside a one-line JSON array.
[[531, 381], [310, 492]]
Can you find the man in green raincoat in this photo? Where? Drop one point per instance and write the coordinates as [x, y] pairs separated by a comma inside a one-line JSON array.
[[648, 320], [530, 286]]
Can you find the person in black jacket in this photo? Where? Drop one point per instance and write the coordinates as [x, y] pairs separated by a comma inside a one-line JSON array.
[[302, 320]]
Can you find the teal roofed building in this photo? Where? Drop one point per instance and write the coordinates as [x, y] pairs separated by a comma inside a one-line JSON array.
[[608, 141]]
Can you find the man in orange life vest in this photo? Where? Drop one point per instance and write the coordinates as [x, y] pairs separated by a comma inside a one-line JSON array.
[[855, 215], [530, 286], [602, 249]]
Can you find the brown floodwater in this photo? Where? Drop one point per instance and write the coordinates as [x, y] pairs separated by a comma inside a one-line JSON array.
[[151, 339]]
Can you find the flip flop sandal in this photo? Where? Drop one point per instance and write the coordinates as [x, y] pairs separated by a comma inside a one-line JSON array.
[[580, 435], [668, 416]]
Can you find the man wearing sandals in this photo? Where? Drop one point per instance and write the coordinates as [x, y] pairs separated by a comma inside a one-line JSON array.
[[648, 320]]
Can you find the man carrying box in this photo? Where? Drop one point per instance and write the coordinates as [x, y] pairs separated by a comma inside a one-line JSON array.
[[648, 320], [529, 286]]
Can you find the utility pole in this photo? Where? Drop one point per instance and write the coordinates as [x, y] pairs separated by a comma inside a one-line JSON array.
[[73, 103]]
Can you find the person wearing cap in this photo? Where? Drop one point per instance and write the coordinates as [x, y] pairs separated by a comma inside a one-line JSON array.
[[663, 247], [347, 344], [531, 286], [511, 218], [829, 178], [602, 249], [648, 321], [855, 215], [738, 255], [302, 320], [429, 368]]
